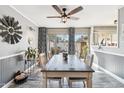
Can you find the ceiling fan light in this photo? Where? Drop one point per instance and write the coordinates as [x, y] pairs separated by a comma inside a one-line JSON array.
[[64, 19]]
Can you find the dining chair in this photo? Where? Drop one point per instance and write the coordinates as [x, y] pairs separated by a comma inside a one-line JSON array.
[[43, 62], [89, 61], [49, 55]]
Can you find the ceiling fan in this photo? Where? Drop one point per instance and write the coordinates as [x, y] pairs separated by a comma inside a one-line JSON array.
[[63, 15]]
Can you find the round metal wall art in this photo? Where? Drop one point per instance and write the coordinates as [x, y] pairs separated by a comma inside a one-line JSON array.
[[10, 30]]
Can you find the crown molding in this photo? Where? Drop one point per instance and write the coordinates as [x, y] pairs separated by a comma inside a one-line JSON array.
[[23, 15]]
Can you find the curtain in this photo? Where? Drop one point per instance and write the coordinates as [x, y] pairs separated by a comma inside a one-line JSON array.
[[42, 40], [71, 48]]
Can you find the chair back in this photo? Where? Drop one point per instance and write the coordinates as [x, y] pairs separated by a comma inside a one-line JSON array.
[[89, 59], [42, 59], [49, 55]]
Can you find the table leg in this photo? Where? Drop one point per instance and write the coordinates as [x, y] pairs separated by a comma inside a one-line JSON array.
[[45, 79], [89, 81]]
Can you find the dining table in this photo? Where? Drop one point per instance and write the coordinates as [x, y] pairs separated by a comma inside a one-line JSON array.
[[72, 67]]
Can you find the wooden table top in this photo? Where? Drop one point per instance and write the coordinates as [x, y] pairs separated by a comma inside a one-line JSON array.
[[73, 64]]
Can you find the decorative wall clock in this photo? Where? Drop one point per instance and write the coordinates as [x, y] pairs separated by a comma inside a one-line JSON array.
[[10, 30]]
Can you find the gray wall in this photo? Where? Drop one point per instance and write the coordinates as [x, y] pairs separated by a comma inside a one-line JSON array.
[[8, 49], [10, 65]]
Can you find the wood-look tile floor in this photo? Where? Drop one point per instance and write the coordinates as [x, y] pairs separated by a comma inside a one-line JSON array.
[[100, 80]]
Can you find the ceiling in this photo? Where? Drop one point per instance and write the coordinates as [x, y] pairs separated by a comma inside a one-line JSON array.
[[91, 15]]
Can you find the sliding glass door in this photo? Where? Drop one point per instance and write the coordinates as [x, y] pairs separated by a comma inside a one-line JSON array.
[[82, 37], [58, 40]]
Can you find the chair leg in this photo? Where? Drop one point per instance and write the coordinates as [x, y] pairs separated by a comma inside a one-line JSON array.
[[49, 82], [70, 83], [60, 83], [84, 84], [62, 80]]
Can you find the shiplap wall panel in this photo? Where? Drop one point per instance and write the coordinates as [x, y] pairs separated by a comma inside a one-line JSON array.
[[112, 63], [10, 65]]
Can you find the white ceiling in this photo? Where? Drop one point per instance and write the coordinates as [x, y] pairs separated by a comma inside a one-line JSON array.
[[91, 15]]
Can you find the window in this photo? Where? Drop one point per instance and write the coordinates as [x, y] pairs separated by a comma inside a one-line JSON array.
[[105, 36], [81, 35], [58, 40]]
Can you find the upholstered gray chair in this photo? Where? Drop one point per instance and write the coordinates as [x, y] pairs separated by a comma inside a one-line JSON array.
[[43, 62], [49, 55], [88, 61]]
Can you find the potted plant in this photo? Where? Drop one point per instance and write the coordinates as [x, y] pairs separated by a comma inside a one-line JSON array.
[[31, 53]]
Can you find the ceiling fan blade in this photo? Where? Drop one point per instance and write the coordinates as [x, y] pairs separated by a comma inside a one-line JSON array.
[[73, 18], [18, 36], [57, 9], [7, 38], [3, 34], [54, 17], [75, 10], [12, 40], [17, 27], [19, 32], [2, 27], [15, 38]]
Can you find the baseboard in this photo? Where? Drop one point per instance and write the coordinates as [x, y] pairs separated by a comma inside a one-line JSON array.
[[110, 73], [9, 83]]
